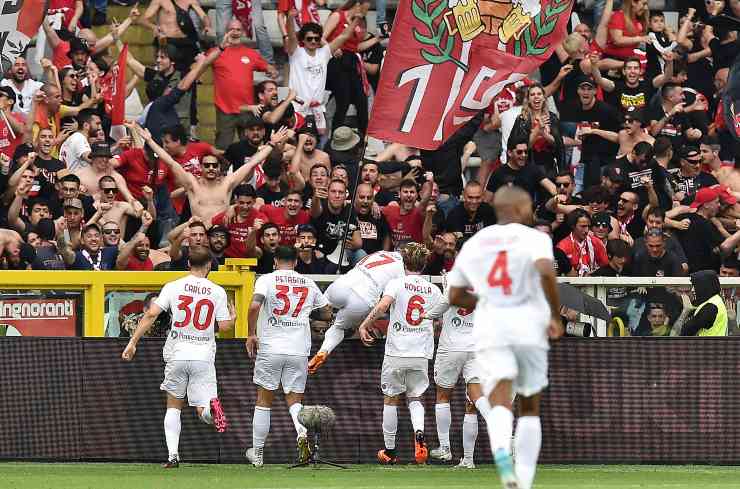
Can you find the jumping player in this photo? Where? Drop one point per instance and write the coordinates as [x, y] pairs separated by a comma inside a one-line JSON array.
[[195, 304], [355, 294], [510, 267], [409, 346], [280, 339]]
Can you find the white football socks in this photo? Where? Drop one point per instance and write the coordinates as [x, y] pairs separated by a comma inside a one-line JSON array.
[[416, 410], [390, 426], [527, 443], [172, 426], [444, 420], [260, 426], [500, 423], [483, 406], [332, 338], [294, 409], [470, 435]]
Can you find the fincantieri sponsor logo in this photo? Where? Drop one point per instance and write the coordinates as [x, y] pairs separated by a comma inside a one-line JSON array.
[[37, 310]]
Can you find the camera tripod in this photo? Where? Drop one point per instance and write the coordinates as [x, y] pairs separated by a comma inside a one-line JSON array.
[[314, 459]]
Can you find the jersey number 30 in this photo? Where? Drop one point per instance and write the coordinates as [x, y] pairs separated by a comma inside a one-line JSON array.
[[195, 314], [499, 274]]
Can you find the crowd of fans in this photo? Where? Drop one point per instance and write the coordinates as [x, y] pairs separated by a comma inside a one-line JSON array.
[[619, 139]]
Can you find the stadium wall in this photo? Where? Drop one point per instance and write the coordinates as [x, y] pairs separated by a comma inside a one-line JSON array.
[[637, 400]]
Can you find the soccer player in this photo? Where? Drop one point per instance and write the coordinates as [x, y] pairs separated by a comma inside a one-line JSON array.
[[196, 304], [280, 339], [455, 357], [510, 267], [409, 346], [355, 294]]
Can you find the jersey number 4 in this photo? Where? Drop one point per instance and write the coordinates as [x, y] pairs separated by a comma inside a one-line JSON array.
[[499, 274], [282, 295], [195, 314]]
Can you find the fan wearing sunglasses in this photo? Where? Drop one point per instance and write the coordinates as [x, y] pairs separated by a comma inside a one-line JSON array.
[[309, 58], [210, 193], [111, 211]]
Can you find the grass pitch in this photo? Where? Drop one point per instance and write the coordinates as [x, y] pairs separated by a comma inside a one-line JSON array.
[[146, 476]]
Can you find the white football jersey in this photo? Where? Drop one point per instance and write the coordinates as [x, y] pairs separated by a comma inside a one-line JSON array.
[[498, 264], [283, 326], [408, 334], [195, 304], [370, 276], [457, 330]]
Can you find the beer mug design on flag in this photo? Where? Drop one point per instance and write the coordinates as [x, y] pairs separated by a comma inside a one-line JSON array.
[[467, 19]]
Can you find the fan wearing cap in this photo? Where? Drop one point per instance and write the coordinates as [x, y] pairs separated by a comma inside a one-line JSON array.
[[100, 166], [306, 154], [252, 134], [689, 178], [587, 112], [702, 242], [91, 254], [219, 239], [11, 123]]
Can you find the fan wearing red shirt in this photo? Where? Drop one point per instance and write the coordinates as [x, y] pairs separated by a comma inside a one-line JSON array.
[[188, 155], [134, 255], [406, 219], [288, 217], [585, 251], [136, 167], [243, 222], [627, 29], [233, 81]]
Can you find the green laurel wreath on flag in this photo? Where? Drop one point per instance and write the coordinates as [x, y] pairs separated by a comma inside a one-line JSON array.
[[437, 38], [544, 24]]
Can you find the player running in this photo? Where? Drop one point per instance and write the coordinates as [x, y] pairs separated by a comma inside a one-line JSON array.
[[355, 294], [455, 357], [510, 268], [409, 346], [195, 304], [280, 339]]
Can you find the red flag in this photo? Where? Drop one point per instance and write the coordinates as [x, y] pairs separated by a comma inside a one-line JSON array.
[[447, 60], [118, 96]]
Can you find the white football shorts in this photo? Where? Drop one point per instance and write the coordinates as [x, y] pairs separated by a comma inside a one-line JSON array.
[[352, 308], [524, 365], [448, 365], [273, 369], [194, 378], [404, 375]]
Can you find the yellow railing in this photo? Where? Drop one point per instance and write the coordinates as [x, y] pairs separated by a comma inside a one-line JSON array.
[[235, 276]]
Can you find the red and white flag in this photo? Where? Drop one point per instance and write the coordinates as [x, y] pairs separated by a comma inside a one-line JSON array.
[[118, 96], [447, 60], [19, 22]]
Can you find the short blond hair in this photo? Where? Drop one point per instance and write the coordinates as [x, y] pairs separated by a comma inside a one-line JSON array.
[[415, 256]]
